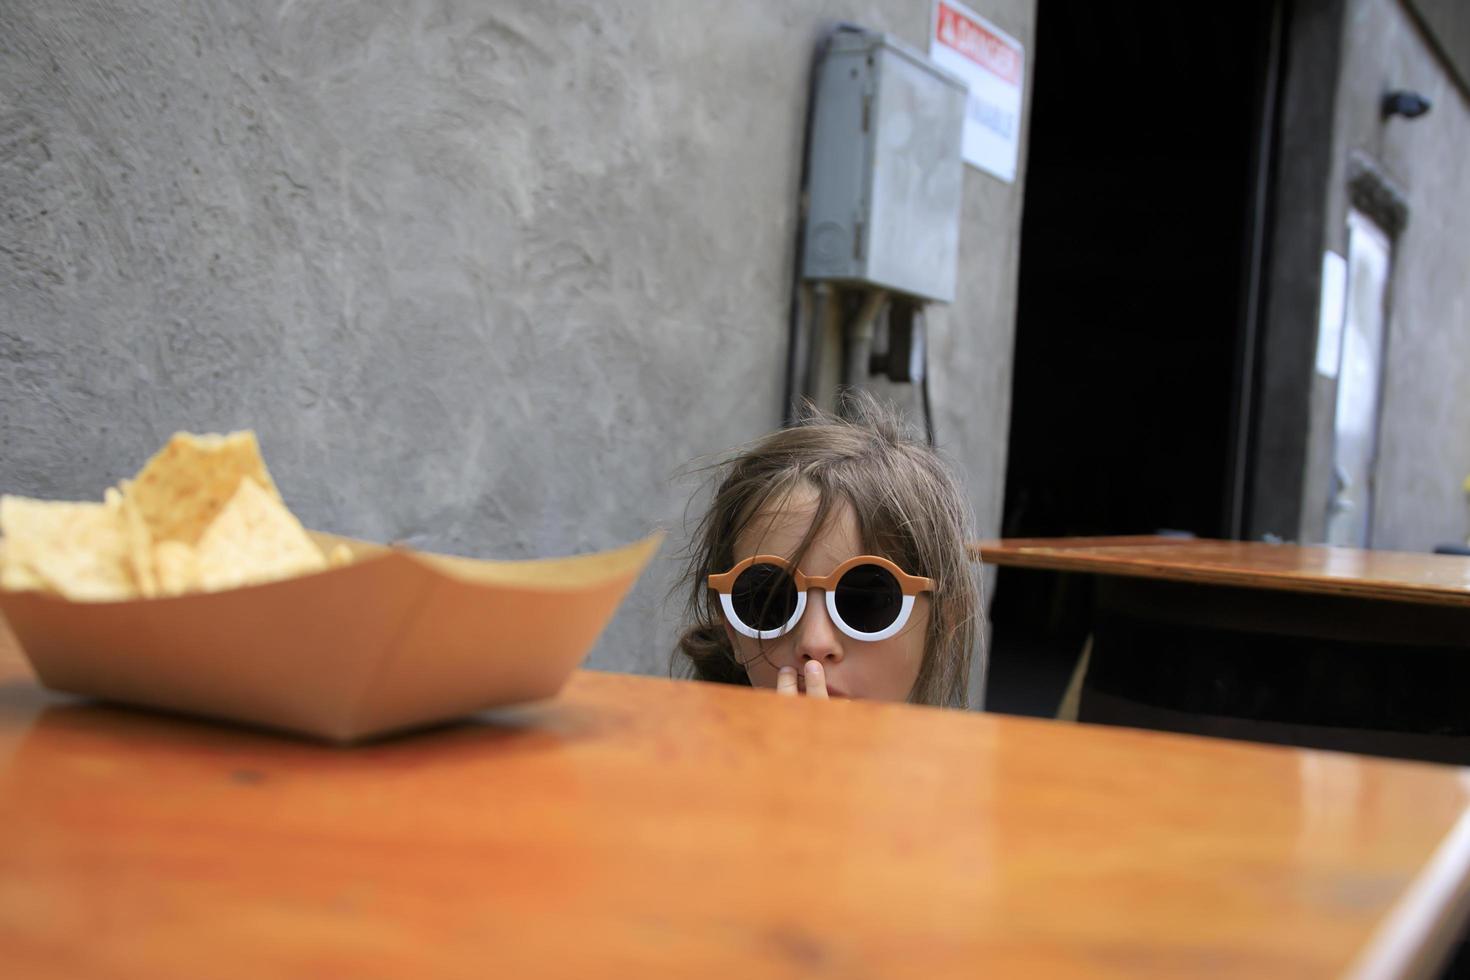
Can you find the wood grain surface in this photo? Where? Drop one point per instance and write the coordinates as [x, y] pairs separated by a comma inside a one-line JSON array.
[[1394, 575], [645, 827]]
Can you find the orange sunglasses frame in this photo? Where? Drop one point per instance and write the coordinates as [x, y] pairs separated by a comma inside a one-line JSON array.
[[910, 585]]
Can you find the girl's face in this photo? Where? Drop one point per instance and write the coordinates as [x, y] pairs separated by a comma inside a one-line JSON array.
[[883, 670]]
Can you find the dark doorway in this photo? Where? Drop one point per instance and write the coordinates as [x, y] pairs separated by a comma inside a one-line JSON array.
[[1140, 252]]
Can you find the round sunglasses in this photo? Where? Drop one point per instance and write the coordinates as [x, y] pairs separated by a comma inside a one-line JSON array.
[[869, 598]]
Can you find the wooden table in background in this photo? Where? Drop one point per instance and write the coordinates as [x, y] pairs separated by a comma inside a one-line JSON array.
[[645, 827], [1393, 628], [1395, 576]]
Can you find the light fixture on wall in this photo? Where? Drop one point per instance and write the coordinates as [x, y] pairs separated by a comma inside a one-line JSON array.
[[1404, 103]]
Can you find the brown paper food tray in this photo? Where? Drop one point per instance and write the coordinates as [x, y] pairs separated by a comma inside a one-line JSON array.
[[396, 640]]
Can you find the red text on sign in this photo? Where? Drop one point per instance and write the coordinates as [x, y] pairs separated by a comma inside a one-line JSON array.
[[980, 45]]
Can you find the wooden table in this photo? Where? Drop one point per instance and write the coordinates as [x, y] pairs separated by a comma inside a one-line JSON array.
[[646, 827], [1438, 580], [1390, 626]]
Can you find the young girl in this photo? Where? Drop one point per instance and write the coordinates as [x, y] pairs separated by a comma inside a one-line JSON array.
[[833, 562]]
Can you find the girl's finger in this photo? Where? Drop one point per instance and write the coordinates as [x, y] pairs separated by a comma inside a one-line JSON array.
[[786, 682], [816, 680]]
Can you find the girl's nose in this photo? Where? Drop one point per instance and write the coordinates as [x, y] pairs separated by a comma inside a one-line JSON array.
[[817, 637]]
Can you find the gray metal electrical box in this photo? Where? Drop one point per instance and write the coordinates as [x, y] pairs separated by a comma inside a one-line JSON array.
[[884, 175]]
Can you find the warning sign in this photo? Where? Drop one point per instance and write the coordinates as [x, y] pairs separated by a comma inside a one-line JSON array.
[[993, 65]]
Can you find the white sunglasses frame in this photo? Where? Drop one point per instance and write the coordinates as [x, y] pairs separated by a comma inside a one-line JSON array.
[[910, 585]]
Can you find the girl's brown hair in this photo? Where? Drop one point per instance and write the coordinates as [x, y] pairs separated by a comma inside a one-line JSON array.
[[909, 509]]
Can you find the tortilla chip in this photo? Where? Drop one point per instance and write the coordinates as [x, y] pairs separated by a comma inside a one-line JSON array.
[[255, 539], [177, 568], [181, 490], [77, 550], [140, 544], [17, 576]]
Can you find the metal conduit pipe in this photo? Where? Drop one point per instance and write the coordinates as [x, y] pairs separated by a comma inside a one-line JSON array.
[[859, 340], [812, 352]]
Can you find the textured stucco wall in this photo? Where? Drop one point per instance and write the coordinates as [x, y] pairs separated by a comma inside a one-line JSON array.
[[1424, 435], [482, 275]]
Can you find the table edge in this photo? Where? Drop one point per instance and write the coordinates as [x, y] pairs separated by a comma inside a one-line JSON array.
[[1086, 562], [1417, 935]]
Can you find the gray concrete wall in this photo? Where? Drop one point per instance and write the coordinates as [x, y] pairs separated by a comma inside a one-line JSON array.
[[1446, 25], [1424, 438], [482, 275], [1346, 55]]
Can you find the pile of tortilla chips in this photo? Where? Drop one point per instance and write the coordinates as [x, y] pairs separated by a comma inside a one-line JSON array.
[[202, 515]]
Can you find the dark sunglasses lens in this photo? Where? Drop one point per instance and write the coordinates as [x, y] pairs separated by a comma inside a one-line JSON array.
[[869, 598], [764, 597]]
